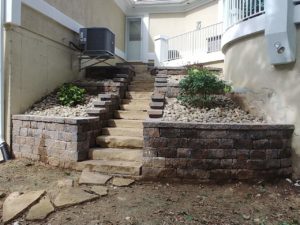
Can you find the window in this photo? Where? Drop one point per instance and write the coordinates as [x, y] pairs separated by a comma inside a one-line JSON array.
[[135, 30]]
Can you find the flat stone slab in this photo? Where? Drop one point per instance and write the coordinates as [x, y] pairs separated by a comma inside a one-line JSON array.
[[41, 210], [65, 183], [100, 190], [93, 178], [16, 203], [72, 196], [122, 182]]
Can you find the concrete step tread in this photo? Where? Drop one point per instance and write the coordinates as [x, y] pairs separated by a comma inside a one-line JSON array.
[[112, 167], [123, 123], [131, 115], [137, 107], [136, 101], [116, 154], [113, 162], [111, 137], [141, 95], [109, 141], [118, 131]]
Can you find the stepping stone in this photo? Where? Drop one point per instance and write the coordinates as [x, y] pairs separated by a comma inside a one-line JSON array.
[[72, 196], [65, 183], [41, 210], [16, 203], [94, 178], [99, 190], [122, 182]]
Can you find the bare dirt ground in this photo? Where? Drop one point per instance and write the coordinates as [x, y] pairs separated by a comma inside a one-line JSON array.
[[161, 203]]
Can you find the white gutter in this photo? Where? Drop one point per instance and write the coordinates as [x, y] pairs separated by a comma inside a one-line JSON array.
[[3, 145]]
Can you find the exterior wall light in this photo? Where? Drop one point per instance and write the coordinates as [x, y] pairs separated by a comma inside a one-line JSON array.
[[280, 49], [280, 31]]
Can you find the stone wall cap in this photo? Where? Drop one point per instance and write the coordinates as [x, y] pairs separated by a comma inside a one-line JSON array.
[[53, 119], [151, 123]]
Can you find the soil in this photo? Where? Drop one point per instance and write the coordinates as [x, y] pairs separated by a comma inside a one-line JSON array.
[[161, 203]]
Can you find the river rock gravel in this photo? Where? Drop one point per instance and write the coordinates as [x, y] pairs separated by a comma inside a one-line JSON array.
[[227, 112], [49, 106]]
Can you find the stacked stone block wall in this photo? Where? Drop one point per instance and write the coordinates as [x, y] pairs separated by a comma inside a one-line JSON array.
[[216, 151], [54, 140]]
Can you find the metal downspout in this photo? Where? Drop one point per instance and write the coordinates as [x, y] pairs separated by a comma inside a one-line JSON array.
[[3, 145]]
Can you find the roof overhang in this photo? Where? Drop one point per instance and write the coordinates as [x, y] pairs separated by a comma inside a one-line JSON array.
[[131, 7]]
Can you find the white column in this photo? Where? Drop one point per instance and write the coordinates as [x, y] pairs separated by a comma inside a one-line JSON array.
[[280, 31], [161, 49], [220, 11]]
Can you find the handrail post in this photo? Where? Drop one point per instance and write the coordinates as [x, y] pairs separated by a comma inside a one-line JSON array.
[[161, 49]]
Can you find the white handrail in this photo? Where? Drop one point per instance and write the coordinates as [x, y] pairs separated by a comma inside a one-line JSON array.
[[191, 44], [236, 11]]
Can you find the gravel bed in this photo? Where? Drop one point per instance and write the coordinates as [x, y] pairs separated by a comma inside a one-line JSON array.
[[49, 106], [228, 112]]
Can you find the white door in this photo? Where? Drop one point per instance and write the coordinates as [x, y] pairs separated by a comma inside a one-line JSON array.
[[134, 39]]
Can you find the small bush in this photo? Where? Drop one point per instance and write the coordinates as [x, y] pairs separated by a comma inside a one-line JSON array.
[[70, 95], [199, 87]]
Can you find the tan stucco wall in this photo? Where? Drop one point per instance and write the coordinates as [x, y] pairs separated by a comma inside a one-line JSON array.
[[273, 90], [207, 14], [172, 24], [95, 13], [37, 60]]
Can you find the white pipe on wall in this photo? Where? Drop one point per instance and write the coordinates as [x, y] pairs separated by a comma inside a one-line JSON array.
[[3, 145]]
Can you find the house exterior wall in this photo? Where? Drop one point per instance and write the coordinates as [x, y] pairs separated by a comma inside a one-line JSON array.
[[95, 13], [173, 24], [273, 90], [37, 60]]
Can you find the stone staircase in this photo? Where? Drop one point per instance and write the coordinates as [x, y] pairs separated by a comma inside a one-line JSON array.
[[120, 145]]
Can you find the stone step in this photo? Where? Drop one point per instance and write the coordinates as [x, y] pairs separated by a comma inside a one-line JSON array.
[[111, 167], [136, 101], [157, 105], [126, 123], [140, 89], [131, 115], [119, 142], [139, 95], [134, 106], [115, 154], [141, 85], [117, 131], [137, 82]]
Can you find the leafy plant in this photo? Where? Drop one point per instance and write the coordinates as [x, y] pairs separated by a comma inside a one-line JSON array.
[[70, 95], [200, 87]]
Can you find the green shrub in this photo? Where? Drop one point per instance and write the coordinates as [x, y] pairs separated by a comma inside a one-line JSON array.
[[70, 95], [200, 87]]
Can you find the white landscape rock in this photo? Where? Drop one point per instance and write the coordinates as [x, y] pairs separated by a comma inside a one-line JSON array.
[[16, 203], [122, 182], [227, 112], [95, 178], [100, 190], [41, 210], [72, 196]]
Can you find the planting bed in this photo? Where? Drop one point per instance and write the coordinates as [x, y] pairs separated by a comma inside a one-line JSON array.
[[227, 112]]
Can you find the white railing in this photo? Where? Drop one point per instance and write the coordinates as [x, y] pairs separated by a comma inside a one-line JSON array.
[[195, 43], [236, 11]]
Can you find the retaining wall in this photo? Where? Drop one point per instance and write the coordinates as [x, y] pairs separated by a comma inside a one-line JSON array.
[[216, 151], [56, 141]]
